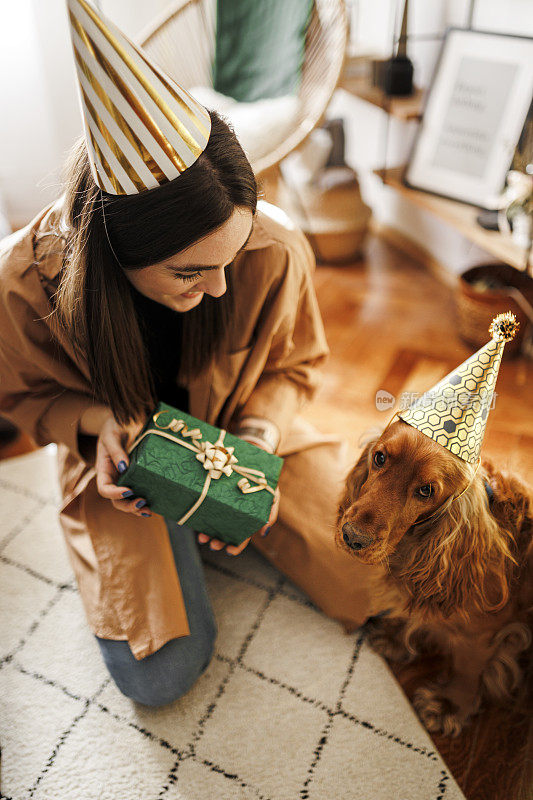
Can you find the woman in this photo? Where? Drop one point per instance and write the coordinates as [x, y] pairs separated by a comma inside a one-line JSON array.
[[184, 292]]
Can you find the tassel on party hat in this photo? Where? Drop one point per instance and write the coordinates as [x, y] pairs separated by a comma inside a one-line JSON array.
[[454, 412], [141, 128]]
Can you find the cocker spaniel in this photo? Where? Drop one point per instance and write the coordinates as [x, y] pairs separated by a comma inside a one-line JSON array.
[[457, 573]]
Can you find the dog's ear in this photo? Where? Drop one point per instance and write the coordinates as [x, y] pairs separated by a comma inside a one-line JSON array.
[[359, 473], [460, 563], [356, 477]]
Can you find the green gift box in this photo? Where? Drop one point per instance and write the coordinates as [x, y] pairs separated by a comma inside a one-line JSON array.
[[181, 464]]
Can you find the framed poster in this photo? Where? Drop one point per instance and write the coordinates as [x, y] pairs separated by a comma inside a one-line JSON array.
[[475, 111]]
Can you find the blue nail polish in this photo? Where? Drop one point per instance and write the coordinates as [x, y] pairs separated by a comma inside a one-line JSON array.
[[122, 466], [144, 514], [140, 503], [267, 531], [127, 493]]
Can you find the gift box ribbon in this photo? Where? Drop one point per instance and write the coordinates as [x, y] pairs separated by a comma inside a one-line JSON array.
[[216, 459]]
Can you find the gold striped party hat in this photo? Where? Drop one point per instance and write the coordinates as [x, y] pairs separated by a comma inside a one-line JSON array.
[[454, 412], [141, 128]]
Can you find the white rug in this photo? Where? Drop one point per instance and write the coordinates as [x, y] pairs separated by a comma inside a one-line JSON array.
[[289, 709]]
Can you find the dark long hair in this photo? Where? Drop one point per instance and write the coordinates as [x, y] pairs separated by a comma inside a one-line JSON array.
[[94, 301]]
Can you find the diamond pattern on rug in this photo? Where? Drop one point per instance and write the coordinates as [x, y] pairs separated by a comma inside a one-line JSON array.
[[131, 771], [34, 714], [362, 701], [290, 707], [348, 767], [273, 735], [200, 781], [245, 601], [21, 597], [40, 546], [70, 659], [13, 521], [316, 655], [177, 722]]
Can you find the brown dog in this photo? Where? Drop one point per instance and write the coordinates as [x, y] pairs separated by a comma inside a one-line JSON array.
[[459, 583]]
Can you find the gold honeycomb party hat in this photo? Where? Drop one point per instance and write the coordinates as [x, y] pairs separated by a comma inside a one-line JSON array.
[[454, 412], [141, 128]]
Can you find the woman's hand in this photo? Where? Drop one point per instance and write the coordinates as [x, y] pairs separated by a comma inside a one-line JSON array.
[[232, 550], [111, 460]]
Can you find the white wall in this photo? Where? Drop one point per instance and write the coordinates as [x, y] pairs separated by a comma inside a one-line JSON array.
[[31, 140]]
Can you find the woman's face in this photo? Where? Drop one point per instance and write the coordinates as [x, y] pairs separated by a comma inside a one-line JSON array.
[[181, 281]]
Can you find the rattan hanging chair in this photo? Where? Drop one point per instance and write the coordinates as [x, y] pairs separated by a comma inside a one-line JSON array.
[[182, 42]]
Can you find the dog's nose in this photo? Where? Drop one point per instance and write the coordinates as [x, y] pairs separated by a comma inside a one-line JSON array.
[[354, 539]]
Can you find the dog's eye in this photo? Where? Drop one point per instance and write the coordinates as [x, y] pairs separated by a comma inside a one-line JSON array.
[[379, 458], [425, 491]]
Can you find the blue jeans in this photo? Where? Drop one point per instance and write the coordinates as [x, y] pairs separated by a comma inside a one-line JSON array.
[[169, 672]]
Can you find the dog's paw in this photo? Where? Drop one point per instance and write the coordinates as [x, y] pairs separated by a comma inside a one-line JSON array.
[[381, 641], [438, 713]]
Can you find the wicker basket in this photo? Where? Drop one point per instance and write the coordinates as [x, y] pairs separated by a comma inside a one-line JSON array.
[[476, 307], [331, 213]]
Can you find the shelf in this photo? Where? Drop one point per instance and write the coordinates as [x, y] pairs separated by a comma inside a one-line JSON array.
[[405, 108], [460, 216]]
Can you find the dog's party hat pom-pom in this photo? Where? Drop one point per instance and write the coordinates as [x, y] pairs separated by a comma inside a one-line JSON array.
[[503, 327]]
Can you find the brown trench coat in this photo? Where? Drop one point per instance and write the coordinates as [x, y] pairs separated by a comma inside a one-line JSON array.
[[124, 564]]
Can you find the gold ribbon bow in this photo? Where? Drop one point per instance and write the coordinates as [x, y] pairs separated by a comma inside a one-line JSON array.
[[216, 459]]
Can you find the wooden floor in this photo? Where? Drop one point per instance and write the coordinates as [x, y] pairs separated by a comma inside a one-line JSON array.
[[391, 326]]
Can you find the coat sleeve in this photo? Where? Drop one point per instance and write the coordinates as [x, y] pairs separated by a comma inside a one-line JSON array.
[[297, 348], [38, 387]]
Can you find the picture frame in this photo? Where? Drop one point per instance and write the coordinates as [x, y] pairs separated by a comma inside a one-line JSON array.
[[476, 107]]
